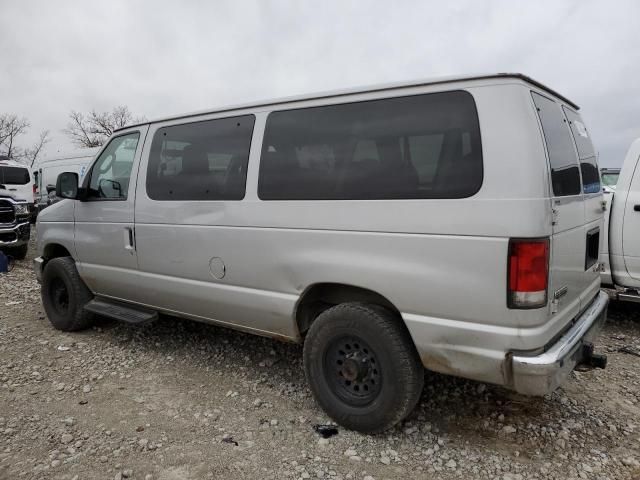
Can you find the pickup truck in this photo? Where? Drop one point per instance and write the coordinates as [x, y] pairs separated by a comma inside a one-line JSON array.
[[15, 228], [620, 249]]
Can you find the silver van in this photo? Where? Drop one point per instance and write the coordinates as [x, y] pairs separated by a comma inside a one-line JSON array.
[[449, 225]]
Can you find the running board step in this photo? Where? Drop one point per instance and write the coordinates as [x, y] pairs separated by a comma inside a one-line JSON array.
[[121, 312], [628, 297]]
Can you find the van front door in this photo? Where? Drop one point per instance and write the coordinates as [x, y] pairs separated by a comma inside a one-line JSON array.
[[104, 222]]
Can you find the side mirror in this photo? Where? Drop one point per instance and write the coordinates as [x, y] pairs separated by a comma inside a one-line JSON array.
[[51, 188], [67, 185]]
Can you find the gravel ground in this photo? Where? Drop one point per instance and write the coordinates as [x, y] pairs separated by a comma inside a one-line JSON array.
[[182, 400]]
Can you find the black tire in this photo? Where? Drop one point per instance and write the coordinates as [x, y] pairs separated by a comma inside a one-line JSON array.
[[64, 295], [363, 367], [19, 253]]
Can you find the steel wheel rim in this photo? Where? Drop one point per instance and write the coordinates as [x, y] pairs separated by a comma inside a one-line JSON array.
[[59, 295], [352, 371]]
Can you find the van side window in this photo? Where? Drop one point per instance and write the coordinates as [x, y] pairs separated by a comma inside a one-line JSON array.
[[422, 146], [565, 174], [586, 153], [111, 173], [201, 160]]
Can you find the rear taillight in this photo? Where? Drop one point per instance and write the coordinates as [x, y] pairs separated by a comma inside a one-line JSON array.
[[35, 192], [528, 273]]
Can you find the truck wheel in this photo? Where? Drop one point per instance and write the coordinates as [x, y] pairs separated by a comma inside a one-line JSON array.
[[19, 253], [64, 295], [362, 366]]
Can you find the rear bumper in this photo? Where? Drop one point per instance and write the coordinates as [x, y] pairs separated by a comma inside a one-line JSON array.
[[15, 235], [541, 374]]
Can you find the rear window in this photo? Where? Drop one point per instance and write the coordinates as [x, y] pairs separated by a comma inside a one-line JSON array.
[[424, 146], [565, 173], [586, 153], [14, 175]]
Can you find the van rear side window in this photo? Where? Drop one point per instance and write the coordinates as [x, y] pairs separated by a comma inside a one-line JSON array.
[[201, 160], [586, 153], [565, 174], [423, 146], [14, 175]]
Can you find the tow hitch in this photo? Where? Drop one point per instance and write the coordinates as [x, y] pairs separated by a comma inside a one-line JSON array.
[[591, 359]]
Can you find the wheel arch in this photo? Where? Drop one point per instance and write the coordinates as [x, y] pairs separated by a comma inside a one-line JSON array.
[[55, 250], [319, 297]]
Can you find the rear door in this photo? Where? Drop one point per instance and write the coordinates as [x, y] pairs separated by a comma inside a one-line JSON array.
[[567, 280], [593, 201]]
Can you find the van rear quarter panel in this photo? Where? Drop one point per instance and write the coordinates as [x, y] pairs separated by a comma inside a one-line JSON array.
[[442, 263]]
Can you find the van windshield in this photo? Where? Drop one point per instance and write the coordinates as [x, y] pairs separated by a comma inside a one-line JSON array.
[[13, 175]]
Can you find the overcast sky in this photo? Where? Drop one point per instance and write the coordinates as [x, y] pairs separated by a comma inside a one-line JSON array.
[[162, 57]]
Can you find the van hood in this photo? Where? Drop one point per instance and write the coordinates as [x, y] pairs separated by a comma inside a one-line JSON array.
[[61, 211]]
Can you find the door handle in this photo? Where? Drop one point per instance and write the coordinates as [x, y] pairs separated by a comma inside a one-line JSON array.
[[636, 208], [129, 241]]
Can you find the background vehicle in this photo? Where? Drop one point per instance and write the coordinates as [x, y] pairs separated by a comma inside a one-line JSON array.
[[15, 228], [609, 178], [620, 252], [47, 170], [17, 180], [451, 224]]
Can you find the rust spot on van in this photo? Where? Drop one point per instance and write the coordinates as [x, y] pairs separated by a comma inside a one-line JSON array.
[[437, 363], [465, 365], [282, 338]]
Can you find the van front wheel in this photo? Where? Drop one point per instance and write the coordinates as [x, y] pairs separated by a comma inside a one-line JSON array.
[[362, 366], [64, 295]]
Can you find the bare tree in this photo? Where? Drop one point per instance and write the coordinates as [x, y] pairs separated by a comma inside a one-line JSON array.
[[93, 129], [30, 155], [11, 127]]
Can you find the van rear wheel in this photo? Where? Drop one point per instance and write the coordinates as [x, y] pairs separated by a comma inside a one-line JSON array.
[[362, 366], [64, 295]]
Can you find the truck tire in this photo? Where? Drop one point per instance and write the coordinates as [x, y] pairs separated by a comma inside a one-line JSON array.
[[19, 253], [362, 366], [64, 295]]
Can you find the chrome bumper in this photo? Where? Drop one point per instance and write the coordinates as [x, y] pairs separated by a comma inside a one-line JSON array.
[[38, 265], [18, 234], [542, 374]]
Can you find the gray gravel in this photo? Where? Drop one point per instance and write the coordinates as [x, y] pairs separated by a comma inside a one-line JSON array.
[[182, 400]]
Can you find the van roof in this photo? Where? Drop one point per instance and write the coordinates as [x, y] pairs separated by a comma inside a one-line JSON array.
[[84, 153], [366, 89]]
